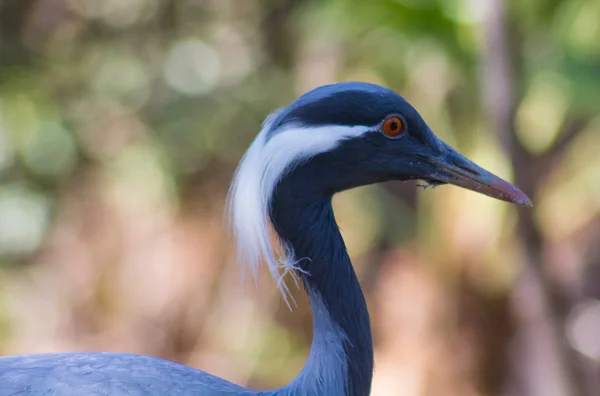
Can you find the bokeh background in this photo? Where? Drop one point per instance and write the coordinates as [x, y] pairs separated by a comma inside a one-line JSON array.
[[121, 122]]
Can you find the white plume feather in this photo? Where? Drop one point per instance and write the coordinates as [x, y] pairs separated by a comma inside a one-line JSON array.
[[259, 171]]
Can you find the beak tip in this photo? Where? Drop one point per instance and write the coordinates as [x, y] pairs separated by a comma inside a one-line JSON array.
[[518, 197], [458, 170], [526, 202], [506, 191]]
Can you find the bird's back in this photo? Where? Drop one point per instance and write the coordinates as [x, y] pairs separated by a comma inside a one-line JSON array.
[[99, 373]]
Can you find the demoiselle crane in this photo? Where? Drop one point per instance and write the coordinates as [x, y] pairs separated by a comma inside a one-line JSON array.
[[331, 139]]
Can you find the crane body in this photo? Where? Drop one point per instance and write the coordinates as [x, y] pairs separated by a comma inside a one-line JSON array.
[[331, 139]]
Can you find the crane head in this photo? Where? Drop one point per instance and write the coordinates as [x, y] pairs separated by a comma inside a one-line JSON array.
[[337, 137], [379, 137]]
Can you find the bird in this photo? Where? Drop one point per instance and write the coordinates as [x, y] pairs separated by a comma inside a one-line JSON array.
[[333, 138]]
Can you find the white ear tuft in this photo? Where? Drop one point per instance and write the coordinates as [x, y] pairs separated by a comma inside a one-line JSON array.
[[259, 171]]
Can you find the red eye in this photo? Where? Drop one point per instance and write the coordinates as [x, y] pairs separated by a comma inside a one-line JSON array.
[[393, 126]]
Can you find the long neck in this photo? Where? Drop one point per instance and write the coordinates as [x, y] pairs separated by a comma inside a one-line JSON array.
[[340, 361]]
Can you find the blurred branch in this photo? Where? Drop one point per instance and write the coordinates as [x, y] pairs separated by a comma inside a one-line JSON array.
[[13, 14], [278, 36], [570, 131], [168, 16], [539, 304], [13, 17], [533, 170]]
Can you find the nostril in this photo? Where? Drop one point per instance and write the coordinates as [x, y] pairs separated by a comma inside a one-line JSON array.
[[468, 170]]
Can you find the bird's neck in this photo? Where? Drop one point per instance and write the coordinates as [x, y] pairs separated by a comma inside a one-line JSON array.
[[341, 358]]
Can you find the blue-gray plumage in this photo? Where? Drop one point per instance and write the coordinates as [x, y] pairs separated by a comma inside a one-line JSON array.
[[331, 139]]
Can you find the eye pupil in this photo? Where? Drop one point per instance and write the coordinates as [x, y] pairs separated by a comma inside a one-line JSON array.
[[393, 125]]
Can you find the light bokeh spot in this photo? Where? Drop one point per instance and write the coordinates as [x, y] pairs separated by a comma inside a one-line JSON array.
[[542, 112], [50, 151], [583, 327], [192, 67], [23, 220]]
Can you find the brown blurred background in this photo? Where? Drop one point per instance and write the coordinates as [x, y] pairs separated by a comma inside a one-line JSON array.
[[121, 122]]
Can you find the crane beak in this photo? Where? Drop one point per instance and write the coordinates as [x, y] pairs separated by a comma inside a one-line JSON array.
[[453, 168]]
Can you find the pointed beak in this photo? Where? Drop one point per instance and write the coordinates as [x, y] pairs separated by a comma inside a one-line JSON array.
[[453, 168]]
